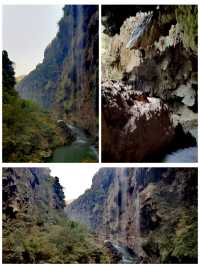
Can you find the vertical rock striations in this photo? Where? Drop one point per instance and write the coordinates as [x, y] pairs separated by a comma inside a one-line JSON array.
[[90, 205], [151, 211], [67, 79], [29, 189]]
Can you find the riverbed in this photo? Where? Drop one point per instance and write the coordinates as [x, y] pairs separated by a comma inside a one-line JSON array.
[[80, 150]]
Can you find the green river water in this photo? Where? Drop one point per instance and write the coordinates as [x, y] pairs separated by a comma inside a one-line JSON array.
[[79, 150]]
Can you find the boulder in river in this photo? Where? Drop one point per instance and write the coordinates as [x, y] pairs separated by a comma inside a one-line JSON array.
[[67, 130], [120, 253], [135, 127]]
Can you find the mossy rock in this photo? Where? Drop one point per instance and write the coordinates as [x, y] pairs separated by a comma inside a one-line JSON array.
[[187, 17]]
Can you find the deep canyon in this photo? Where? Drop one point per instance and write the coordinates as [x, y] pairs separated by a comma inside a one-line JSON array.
[[129, 215], [144, 215], [65, 87]]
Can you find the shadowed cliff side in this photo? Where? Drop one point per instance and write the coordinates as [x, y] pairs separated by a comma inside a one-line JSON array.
[[151, 212], [35, 228]]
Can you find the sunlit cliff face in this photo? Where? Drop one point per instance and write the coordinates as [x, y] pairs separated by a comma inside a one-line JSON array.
[[67, 79]]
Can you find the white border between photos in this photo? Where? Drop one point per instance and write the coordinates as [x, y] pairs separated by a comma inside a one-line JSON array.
[[98, 165]]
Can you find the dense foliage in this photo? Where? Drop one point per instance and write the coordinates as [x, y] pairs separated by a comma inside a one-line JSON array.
[[35, 229], [29, 133], [187, 17], [55, 240]]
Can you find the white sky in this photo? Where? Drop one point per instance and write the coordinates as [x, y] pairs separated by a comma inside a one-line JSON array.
[[27, 30], [75, 178]]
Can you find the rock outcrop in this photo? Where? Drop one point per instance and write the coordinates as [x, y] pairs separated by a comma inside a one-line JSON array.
[[25, 188], [150, 52], [67, 79], [151, 211], [163, 17], [113, 16], [140, 126]]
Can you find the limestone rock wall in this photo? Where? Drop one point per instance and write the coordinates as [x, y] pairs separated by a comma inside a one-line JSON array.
[[152, 211], [67, 79], [29, 190]]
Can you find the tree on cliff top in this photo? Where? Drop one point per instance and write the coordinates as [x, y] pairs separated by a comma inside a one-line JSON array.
[[59, 194], [8, 78], [28, 132]]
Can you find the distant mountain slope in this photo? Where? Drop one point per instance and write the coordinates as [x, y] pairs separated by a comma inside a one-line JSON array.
[[19, 78], [152, 211], [67, 79], [89, 207]]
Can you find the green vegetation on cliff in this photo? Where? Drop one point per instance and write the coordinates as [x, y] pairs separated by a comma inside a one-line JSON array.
[[186, 238], [53, 241], [29, 133], [152, 211], [66, 82], [35, 229], [178, 244], [187, 17]]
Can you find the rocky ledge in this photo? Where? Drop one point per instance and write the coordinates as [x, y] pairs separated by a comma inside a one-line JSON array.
[[140, 125]]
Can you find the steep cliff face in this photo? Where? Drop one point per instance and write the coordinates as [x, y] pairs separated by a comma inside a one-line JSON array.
[[35, 228], [151, 211], [88, 208], [29, 190], [67, 79]]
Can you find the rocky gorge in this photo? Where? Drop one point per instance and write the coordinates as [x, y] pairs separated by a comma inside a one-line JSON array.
[[143, 215], [128, 215], [149, 55], [35, 228], [65, 84]]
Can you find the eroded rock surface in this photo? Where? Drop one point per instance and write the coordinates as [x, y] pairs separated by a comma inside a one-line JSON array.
[[151, 211], [66, 82], [134, 127], [154, 52], [25, 188]]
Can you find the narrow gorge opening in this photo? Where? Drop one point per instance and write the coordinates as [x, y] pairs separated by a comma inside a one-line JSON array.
[[116, 215], [51, 114]]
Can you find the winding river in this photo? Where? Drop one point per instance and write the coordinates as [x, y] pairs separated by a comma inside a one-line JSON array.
[[80, 150], [127, 257]]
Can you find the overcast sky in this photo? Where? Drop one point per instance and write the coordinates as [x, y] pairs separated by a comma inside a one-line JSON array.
[[27, 30], [75, 178]]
